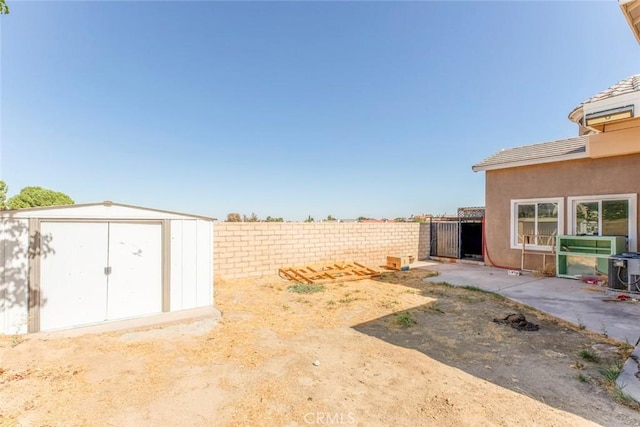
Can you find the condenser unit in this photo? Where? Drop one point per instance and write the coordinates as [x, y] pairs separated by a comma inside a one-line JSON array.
[[624, 272]]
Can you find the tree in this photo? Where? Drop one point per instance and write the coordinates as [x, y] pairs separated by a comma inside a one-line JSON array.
[[3, 195], [330, 218], [252, 218], [30, 197], [309, 219], [4, 9], [234, 217], [272, 219]]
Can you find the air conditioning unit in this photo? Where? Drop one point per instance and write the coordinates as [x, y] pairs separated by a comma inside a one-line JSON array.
[[624, 272]]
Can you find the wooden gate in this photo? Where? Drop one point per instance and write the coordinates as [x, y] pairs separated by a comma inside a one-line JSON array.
[[445, 239]]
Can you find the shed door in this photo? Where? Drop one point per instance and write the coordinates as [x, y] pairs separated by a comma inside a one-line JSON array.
[[135, 281], [73, 286], [92, 272]]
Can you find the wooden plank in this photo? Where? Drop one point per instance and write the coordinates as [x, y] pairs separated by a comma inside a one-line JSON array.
[[283, 272], [330, 272], [323, 273], [370, 270], [303, 276], [294, 275]]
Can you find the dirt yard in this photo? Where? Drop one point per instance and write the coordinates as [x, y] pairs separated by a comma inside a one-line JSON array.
[[394, 351]]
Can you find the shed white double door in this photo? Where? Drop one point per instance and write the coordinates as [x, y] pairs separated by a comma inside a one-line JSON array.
[[96, 271]]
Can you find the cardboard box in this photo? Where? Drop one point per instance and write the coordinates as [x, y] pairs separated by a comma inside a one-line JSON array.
[[399, 262]]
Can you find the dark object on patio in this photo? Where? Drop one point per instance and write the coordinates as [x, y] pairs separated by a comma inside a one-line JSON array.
[[619, 298], [517, 321]]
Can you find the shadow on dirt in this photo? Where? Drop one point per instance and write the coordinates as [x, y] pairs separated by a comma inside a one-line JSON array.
[[549, 364]]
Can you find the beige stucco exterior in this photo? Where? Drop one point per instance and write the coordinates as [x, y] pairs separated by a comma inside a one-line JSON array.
[[582, 177], [615, 142]]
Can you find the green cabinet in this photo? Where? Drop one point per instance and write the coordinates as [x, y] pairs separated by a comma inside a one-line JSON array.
[[586, 255]]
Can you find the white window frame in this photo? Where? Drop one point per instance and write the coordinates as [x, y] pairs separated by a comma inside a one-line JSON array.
[[632, 243], [514, 220]]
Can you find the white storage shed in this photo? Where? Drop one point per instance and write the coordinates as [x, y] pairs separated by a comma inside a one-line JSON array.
[[68, 266]]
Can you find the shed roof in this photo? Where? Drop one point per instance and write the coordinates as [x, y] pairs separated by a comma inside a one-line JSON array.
[[49, 210], [546, 152]]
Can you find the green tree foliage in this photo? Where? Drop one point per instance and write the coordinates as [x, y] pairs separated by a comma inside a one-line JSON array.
[[272, 219], [330, 218], [309, 219], [615, 209], [3, 195], [4, 9], [30, 197], [234, 217]]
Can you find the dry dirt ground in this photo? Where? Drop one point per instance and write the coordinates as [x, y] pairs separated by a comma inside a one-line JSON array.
[[337, 357]]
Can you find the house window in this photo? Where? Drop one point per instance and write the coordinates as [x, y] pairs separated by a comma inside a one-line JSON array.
[[535, 222], [609, 215]]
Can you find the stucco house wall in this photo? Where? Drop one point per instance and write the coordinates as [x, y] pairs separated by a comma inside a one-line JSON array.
[[583, 177]]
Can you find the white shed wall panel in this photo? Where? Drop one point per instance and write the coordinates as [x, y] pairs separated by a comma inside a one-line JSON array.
[[175, 291], [204, 290], [14, 267], [191, 264]]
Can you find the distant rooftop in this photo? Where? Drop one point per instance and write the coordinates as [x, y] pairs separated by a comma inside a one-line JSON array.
[[546, 152]]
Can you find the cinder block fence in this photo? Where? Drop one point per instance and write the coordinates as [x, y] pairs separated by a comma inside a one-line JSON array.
[[256, 249]]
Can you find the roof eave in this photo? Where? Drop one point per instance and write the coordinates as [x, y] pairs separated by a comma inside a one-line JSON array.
[[530, 162], [576, 115], [627, 6]]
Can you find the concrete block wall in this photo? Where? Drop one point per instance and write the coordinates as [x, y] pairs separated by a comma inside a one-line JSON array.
[[256, 249]]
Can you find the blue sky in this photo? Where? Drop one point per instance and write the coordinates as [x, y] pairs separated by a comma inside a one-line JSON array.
[[290, 109]]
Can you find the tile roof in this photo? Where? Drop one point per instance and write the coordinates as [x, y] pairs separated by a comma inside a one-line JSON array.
[[628, 85], [546, 152]]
